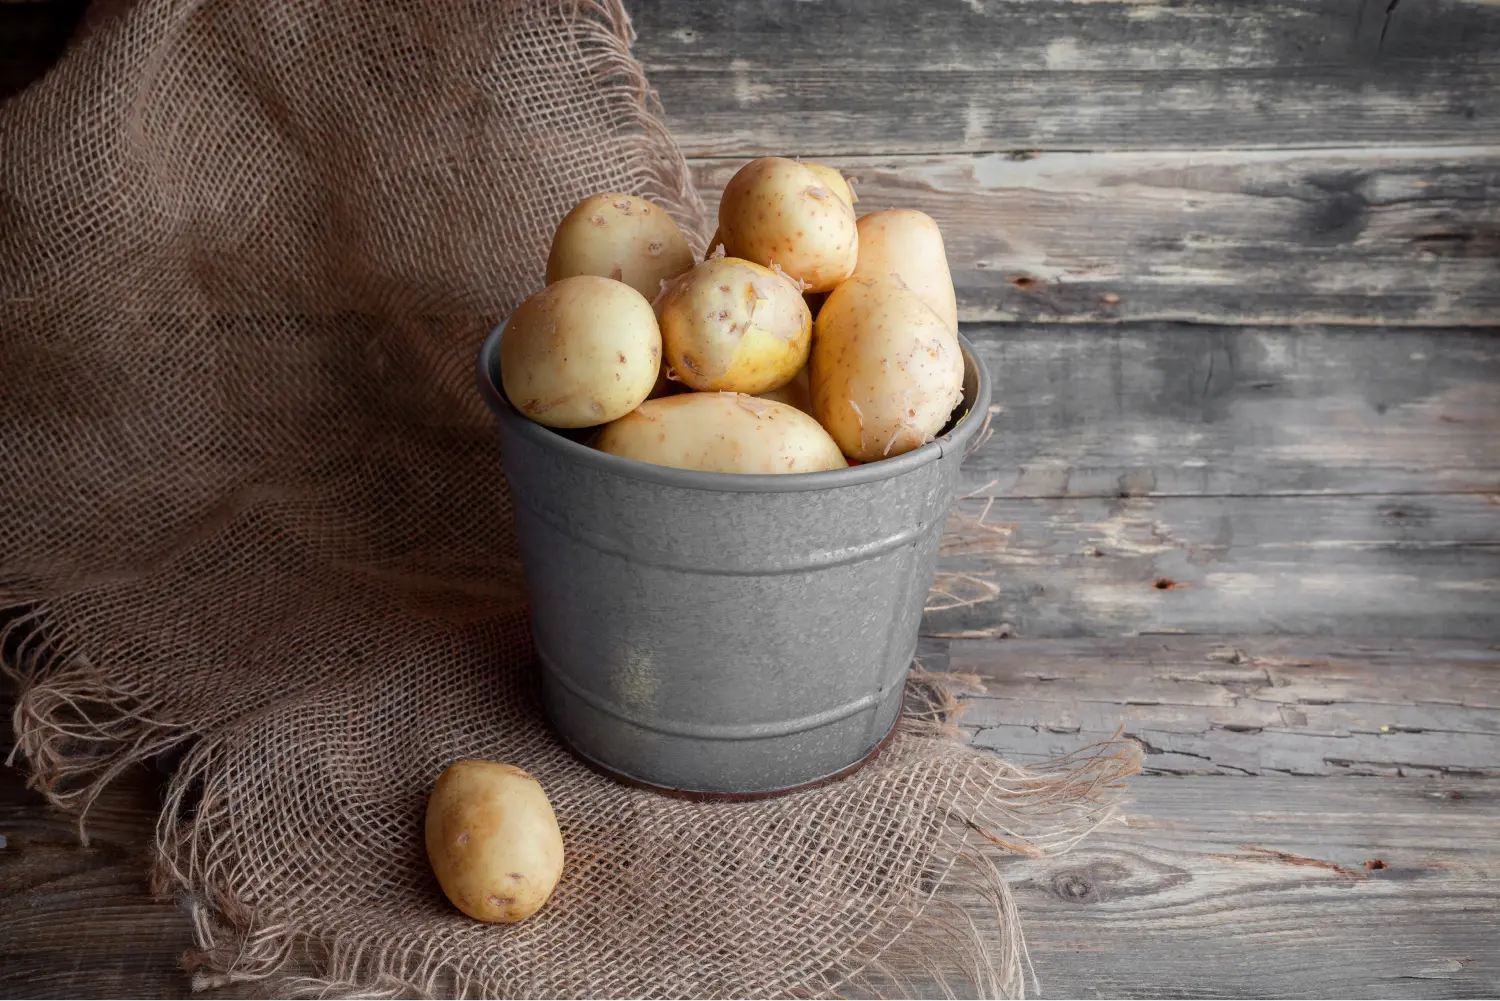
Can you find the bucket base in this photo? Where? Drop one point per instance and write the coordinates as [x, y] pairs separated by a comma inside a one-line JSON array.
[[700, 796]]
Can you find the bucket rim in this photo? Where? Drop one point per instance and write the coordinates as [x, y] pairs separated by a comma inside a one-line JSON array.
[[956, 439]]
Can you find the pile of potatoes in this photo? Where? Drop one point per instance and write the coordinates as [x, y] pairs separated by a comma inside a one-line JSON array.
[[808, 339]]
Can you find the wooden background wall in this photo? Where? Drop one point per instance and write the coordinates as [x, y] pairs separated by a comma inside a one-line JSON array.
[[1230, 265], [1214, 161]]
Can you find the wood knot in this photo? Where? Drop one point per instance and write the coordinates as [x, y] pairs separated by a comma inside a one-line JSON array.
[[1076, 886], [1024, 282], [1165, 584], [1375, 863]]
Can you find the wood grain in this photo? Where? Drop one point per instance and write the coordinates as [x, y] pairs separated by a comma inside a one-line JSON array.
[[78, 921], [1220, 887], [1357, 566], [1108, 411], [1258, 887], [838, 77], [1368, 237], [1252, 705]]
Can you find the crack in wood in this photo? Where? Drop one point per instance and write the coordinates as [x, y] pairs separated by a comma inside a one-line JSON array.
[[1296, 706], [1259, 854], [1385, 25]]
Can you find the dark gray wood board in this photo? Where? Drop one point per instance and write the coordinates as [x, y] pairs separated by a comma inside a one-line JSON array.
[[1168, 478], [1243, 705], [1165, 409], [1258, 887], [1424, 566], [1367, 237], [839, 77]]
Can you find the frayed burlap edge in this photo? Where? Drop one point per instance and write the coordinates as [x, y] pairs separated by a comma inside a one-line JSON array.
[[640, 115], [77, 729], [963, 935], [966, 943]]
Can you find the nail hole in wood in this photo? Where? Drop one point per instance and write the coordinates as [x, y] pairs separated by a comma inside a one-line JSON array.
[[1164, 584], [1024, 282], [1374, 863]]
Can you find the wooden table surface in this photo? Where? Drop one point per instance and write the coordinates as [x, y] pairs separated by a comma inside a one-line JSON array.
[[1235, 269]]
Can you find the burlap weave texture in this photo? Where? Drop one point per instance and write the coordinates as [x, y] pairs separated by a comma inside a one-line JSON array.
[[252, 512]]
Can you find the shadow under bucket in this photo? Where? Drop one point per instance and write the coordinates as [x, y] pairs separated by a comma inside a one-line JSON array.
[[719, 634]]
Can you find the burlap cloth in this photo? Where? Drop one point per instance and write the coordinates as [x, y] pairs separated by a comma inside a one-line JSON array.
[[252, 512]]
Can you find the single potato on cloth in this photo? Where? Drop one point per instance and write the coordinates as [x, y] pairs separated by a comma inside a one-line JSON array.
[[493, 840]]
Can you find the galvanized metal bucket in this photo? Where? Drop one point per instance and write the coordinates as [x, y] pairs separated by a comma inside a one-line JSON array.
[[721, 634]]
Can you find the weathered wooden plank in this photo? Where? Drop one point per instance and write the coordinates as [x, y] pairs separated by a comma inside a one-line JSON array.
[[81, 922], [1257, 705], [841, 77], [1423, 566], [1132, 410], [1259, 887], [1190, 900], [1408, 237]]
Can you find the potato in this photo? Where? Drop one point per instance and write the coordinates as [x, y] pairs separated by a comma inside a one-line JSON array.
[[722, 433], [778, 211], [619, 236], [797, 393], [833, 181], [886, 371], [582, 351], [714, 243], [493, 841], [664, 386], [732, 325], [907, 245]]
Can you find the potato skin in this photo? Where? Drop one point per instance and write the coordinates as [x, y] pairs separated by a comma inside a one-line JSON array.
[[797, 393], [722, 433], [582, 351], [886, 372], [619, 236], [833, 181], [907, 245], [733, 326], [493, 840], [776, 210]]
